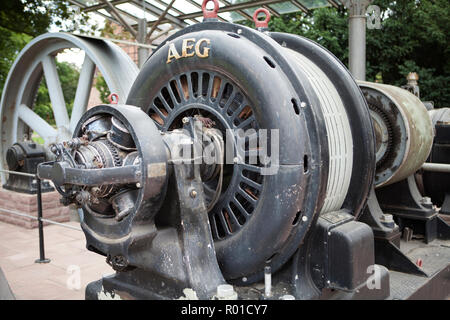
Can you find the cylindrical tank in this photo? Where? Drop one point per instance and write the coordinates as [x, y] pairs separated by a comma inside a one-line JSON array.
[[403, 130]]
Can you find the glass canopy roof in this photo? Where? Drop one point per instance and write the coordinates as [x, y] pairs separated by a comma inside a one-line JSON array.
[[164, 14]]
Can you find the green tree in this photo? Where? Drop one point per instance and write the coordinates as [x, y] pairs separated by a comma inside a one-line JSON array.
[[20, 21], [414, 36], [68, 76], [113, 31]]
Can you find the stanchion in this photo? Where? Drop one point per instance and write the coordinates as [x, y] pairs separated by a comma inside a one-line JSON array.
[[40, 225]]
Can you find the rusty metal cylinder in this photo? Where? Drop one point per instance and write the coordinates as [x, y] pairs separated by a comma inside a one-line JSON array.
[[403, 129]]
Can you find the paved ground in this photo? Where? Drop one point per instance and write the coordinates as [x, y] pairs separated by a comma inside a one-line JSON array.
[[71, 268]]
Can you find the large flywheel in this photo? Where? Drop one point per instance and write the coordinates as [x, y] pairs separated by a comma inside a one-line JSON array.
[[37, 62]]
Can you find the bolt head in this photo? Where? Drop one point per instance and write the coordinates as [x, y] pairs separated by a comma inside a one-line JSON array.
[[226, 292], [193, 193], [185, 120], [387, 218]]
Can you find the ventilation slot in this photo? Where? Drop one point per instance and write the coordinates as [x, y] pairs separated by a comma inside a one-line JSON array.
[[184, 86], [205, 84], [175, 90], [216, 87], [194, 83], [297, 217], [227, 92], [295, 106], [240, 217], [166, 95], [305, 164], [269, 62]]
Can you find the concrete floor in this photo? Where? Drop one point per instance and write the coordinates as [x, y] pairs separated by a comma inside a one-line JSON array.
[[71, 267]]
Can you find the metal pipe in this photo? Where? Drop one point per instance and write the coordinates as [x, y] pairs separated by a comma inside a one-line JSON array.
[[36, 218], [130, 43], [19, 173], [267, 281], [357, 37], [157, 22], [436, 167], [142, 37], [357, 46]]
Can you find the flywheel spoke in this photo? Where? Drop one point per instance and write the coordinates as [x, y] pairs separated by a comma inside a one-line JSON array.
[[55, 92], [83, 91], [45, 130]]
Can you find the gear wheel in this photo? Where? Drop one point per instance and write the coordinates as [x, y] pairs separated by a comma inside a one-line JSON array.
[[389, 126], [114, 152]]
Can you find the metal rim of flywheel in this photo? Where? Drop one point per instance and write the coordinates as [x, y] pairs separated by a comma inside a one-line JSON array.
[[37, 62], [213, 96]]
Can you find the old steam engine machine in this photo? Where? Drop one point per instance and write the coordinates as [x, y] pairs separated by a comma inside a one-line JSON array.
[[249, 164]]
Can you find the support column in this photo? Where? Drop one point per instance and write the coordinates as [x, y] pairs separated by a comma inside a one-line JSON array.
[[142, 35], [357, 37]]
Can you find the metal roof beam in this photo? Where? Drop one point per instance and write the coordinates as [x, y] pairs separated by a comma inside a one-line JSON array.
[[242, 13], [103, 5], [333, 3], [119, 17], [134, 25], [272, 11], [233, 7], [300, 6], [157, 12], [157, 22], [162, 33]]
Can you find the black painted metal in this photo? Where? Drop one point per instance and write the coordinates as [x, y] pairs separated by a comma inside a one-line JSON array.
[[169, 242], [437, 184], [268, 89], [25, 157], [403, 200], [42, 258]]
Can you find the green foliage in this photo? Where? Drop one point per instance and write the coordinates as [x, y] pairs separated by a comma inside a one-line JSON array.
[[68, 76], [10, 45], [31, 17], [20, 21], [414, 38], [102, 87]]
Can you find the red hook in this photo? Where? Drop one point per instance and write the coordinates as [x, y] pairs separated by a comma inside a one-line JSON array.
[[113, 98], [419, 263], [209, 14], [261, 23]]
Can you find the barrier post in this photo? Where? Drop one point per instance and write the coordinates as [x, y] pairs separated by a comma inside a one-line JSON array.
[[40, 225]]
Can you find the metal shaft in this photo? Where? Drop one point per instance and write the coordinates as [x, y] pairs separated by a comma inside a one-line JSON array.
[[436, 167]]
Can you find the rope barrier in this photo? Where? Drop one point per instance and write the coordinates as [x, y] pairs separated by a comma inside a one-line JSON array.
[[39, 218]]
